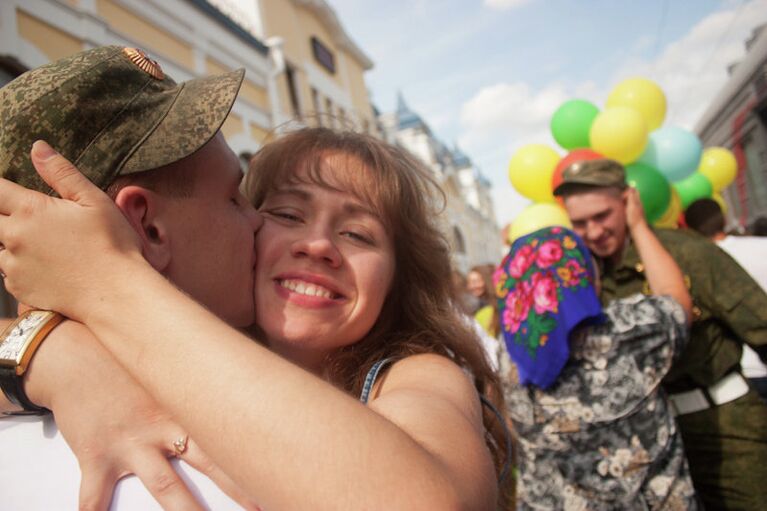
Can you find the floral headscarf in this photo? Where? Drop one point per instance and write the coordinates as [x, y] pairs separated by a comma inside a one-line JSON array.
[[545, 289]]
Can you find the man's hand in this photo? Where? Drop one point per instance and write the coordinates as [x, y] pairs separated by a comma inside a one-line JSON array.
[[635, 216]]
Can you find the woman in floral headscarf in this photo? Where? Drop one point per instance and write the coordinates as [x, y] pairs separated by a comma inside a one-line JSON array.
[[595, 429]]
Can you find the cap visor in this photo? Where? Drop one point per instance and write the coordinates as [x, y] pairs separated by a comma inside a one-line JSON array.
[[196, 115]]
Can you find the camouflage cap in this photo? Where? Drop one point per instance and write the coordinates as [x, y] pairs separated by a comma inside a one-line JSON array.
[[601, 173], [111, 111]]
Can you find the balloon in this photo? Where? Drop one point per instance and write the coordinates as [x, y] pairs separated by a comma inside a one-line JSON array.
[[654, 190], [719, 166], [670, 218], [571, 123], [720, 200], [692, 188], [642, 95], [530, 171], [572, 157], [537, 216], [675, 152], [619, 133]]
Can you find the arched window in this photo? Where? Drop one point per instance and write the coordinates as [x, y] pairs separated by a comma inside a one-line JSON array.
[[459, 245]]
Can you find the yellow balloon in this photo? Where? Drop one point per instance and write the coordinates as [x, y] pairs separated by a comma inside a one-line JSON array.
[[719, 166], [537, 216], [720, 200], [619, 133], [669, 219], [642, 95], [531, 169]]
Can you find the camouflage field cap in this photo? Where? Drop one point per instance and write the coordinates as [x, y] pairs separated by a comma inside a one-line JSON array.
[[111, 111], [602, 172]]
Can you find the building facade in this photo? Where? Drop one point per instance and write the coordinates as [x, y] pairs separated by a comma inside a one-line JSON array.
[[737, 120], [469, 216], [322, 82]]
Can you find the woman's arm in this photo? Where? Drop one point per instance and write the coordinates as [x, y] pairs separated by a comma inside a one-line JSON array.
[[663, 274], [288, 438], [109, 421]]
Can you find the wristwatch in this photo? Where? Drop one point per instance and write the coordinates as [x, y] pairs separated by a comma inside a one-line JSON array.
[[18, 344]]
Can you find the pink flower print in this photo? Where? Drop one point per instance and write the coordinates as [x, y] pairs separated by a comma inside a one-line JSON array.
[[521, 262], [570, 273], [556, 230], [576, 270], [517, 307], [545, 294], [549, 253]]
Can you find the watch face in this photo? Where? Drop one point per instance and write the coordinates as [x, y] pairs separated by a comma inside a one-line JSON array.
[[15, 340]]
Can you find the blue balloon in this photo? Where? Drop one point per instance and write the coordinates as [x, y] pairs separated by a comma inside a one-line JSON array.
[[674, 151]]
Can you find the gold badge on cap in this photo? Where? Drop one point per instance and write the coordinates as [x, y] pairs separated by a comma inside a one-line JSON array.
[[144, 63]]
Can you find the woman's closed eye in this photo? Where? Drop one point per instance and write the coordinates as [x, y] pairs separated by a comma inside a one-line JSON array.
[[288, 216], [358, 236]]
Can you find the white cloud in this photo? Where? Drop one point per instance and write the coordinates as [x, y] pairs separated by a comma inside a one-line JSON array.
[[505, 4]]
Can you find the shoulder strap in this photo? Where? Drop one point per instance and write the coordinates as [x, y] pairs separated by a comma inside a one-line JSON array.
[[370, 379]]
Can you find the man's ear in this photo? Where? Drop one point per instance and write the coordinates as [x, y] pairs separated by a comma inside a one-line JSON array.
[[144, 210]]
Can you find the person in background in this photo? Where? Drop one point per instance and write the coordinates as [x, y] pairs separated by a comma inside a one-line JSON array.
[[706, 217], [722, 420], [595, 429], [479, 284]]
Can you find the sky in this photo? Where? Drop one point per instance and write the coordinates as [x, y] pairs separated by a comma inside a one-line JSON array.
[[489, 74]]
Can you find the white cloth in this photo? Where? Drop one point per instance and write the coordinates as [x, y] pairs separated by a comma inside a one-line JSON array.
[[39, 472], [751, 253]]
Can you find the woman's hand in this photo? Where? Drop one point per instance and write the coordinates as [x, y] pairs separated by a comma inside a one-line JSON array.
[[112, 425], [46, 256]]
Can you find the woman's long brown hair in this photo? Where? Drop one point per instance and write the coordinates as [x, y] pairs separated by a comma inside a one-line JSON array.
[[418, 315]]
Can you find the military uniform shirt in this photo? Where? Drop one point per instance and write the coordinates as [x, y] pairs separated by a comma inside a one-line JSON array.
[[728, 306]]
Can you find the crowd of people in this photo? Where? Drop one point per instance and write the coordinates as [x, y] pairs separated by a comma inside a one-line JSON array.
[[300, 338]]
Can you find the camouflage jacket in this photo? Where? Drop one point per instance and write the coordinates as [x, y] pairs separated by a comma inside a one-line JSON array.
[[729, 306], [603, 437]]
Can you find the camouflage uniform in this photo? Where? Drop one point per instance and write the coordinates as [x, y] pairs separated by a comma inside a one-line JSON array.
[[603, 436], [726, 445]]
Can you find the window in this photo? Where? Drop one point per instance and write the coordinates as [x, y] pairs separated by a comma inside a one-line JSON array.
[[459, 245], [329, 112], [290, 76], [316, 105], [323, 55]]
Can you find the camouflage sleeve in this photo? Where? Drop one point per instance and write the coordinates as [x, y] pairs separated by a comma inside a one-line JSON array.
[[672, 315], [732, 296]]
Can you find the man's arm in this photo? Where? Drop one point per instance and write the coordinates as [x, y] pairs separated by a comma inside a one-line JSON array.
[[663, 273]]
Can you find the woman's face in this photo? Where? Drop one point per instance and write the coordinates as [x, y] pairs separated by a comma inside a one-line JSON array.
[[325, 266], [475, 284]]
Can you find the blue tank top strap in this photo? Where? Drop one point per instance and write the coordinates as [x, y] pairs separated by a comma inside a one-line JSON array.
[[371, 377]]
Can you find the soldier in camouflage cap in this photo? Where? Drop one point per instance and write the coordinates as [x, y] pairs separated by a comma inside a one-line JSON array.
[[723, 422], [156, 147], [600, 172], [111, 111]]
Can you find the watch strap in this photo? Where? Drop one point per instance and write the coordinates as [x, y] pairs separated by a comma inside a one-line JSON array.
[[13, 388], [38, 325]]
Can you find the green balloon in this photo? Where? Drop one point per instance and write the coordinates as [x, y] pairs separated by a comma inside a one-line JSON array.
[[694, 187], [654, 189], [571, 123]]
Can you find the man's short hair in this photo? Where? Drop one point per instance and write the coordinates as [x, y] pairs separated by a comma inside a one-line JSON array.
[[587, 175], [705, 216], [112, 112]]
